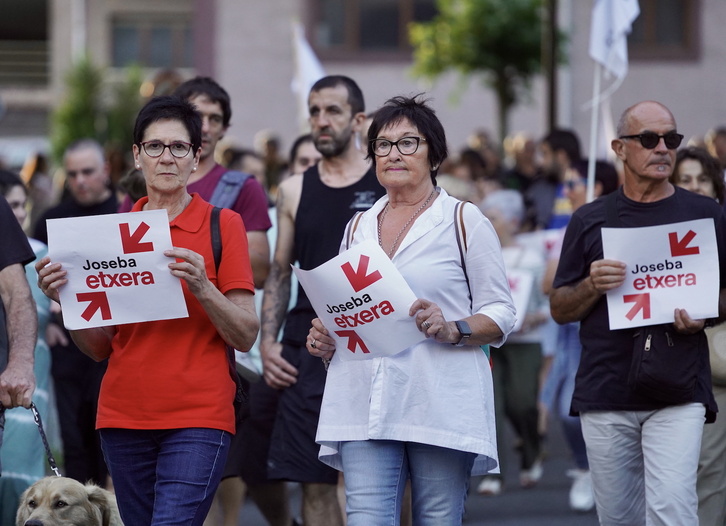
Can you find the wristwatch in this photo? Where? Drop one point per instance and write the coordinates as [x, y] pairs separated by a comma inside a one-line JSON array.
[[465, 332]]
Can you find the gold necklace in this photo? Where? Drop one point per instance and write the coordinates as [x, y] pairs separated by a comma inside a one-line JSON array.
[[395, 241]]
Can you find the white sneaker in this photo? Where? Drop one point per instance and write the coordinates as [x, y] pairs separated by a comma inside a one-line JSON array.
[[530, 477], [581, 496], [490, 486]]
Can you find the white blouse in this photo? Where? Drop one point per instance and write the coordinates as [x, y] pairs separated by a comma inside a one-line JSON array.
[[431, 393]]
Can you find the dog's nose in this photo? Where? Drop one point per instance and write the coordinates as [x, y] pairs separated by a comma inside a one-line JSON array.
[[34, 522]]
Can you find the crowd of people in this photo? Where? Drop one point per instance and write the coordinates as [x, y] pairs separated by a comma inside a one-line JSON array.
[[503, 253]]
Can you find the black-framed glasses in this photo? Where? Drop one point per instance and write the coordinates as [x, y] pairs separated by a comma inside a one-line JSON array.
[[650, 140], [405, 145], [178, 149]]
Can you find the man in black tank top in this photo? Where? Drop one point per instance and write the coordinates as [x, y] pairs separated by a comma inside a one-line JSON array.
[[312, 210]]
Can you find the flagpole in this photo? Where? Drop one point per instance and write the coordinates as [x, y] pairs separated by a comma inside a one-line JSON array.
[[595, 113]]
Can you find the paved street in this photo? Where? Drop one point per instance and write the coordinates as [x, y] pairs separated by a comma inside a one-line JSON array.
[[544, 505]]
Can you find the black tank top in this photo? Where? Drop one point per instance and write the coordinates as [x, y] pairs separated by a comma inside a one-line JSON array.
[[320, 223]]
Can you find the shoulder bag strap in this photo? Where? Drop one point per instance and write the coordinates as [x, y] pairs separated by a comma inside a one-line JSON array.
[[461, 241], [460, 228], [351, 230]]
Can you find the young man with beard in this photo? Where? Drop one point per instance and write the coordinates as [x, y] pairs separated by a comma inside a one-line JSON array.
[[249, 201], [313, 209], [548, 207]]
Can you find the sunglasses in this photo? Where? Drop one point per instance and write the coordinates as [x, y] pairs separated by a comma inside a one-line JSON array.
[[650, 140], [571, 184]]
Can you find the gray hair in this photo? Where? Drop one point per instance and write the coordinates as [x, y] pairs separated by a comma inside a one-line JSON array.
[[86, 144], [507, 202]]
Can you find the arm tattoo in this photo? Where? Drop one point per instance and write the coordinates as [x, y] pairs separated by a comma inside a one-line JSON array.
[[274, 302]]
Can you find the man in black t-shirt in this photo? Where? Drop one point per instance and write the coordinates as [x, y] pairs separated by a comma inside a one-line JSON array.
[[18, 319], [312, 209], [643, 451]]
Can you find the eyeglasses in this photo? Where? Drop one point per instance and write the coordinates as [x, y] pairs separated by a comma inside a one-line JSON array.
[[405, 145], [650, 140], [156, 148]]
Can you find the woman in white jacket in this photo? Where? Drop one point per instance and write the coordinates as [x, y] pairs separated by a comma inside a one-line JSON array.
[[427, 413]]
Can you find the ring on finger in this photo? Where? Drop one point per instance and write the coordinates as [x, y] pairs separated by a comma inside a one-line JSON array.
[[426, 324], [312, 344]]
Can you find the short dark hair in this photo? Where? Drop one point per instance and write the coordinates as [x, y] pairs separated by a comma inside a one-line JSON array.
[[709, 165], [8, 181], [566, 140], [296, 146], [419, 113], [208, 87], [170, 108], [355, 95]]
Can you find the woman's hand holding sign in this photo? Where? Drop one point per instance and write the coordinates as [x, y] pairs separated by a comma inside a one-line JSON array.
[[319, 342], [51, 277]]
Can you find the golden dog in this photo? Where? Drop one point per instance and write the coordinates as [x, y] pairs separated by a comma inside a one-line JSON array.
[[60, 501]]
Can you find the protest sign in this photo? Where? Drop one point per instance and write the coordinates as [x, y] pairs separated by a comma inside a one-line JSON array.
[[667, 267], [363, 301], [117, 271]]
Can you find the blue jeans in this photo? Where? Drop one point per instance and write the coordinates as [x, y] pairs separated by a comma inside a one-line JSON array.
[[559, 386], [165, 477], [375, 473]]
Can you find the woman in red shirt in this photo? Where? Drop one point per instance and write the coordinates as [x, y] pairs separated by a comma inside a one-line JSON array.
[[165, 412]]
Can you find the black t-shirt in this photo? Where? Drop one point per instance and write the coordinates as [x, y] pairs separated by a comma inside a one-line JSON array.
[[70, 208], [14, 248], [602, 378], [320, 223]]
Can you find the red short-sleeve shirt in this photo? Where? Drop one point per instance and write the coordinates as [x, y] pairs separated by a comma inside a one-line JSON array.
[[170, 374]]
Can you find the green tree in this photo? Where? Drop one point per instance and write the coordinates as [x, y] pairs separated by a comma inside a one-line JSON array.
[[124, 107], [101, 110], [79, 114], [498, 40]]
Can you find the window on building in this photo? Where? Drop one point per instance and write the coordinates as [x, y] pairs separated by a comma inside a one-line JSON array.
[[666, 30], [24, 56], [366, 27], [157, 43]]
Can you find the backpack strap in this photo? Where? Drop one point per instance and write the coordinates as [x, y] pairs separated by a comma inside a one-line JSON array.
[[216, 237], [228, 188], [216, 233], [352, 228]]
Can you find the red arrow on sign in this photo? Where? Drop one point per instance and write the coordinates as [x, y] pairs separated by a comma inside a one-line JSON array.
[[681, 248], [353, 341], [359, 278], [98, 300], [132, 242], [642, 302]]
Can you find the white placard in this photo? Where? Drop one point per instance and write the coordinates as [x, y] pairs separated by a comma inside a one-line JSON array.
[[520, 284], [667, 267], [117, 270], [363, 301]]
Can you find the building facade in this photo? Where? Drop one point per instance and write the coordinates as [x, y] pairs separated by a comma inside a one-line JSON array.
[[677, 55]]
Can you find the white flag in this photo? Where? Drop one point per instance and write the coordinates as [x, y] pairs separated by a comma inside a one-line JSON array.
[[308, 70], [611, 23]]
